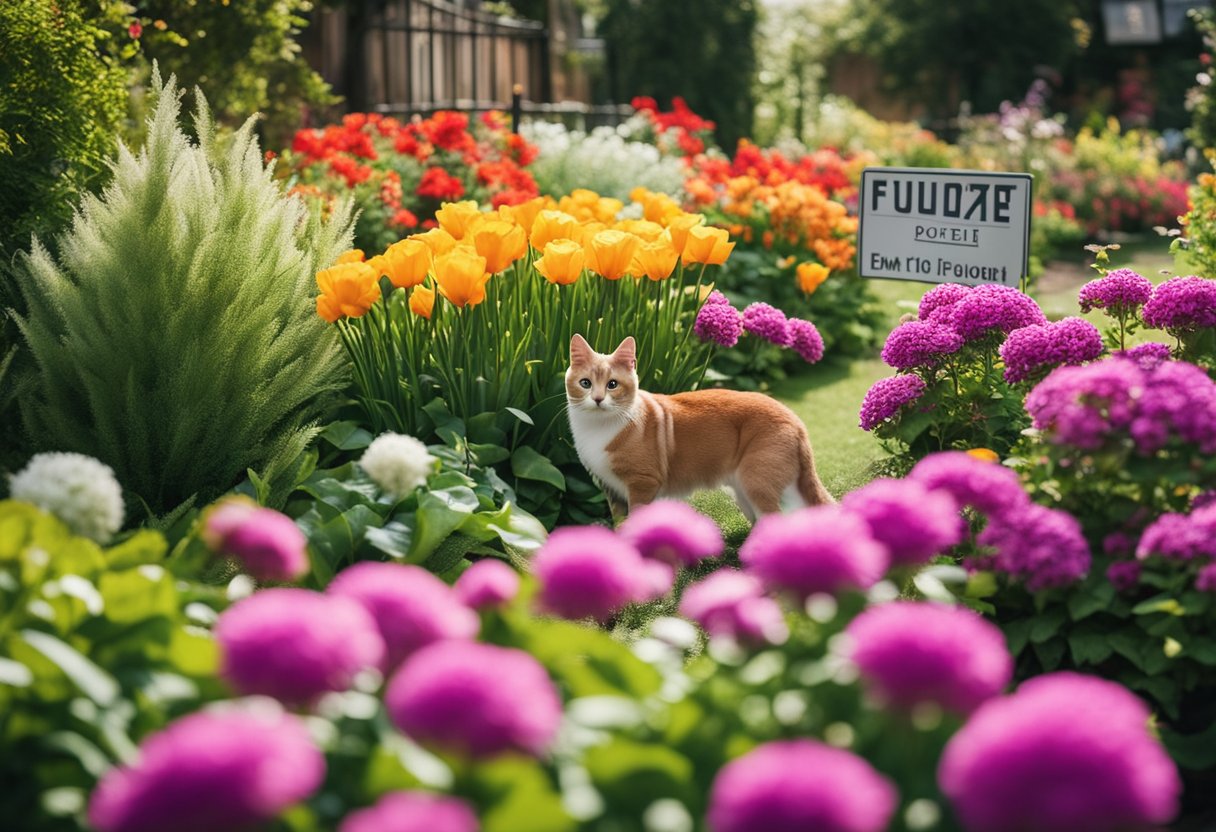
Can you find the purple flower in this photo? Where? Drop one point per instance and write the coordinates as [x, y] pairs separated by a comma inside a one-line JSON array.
[[295, 644], [987, 310], [1117, 544], [208, 771], [937, 302], [1042, 546], [588, 572], [1207, 498], [475, 699], [1032, 349], [717, 297], [673, 532], [719, 322], [885, 398], [412, 608], [910, 652], [1066, 752], [767, 322], [988, 487], [268, 544], [913, 522], [1147, 356], [1179, 403], [733, 604], [413, 812], [820, 549], [1119, 292], [1182, 304], [805, 340], [1205, 581], [1180, 536], [1086, 406], [919, 344], [1124, 575], [799, 785], [487, 583]]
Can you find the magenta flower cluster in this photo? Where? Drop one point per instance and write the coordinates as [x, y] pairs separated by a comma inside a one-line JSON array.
[[805, 340], [887, 397], [589, 572], [1034, 349], [1065, 752], [413, 812], [910, 653], [487, 583], [718, 321], [936, 303], [208, 771], [989, 488], [913, 522], [733, 604], [269, 545], [799, 785], [920, 344], [1181, 536], [672, 531], [767, 322], [1148, 356], [1043, 547], [990, 310], [1182, 304], [1115, 400], [1119, 292]]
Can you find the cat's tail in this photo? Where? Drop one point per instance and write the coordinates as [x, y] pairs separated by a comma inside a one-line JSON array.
[[810, 488]]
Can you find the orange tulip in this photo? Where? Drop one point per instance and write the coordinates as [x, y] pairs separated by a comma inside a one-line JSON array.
[[656, 260], [677, 229], [501, 243], [811, 275], [456, 217], [347, 290], [984, 454], [562, 262], [647, 230], [606, 208], [461, 276], [354, 255], [524, 213], [405, 262], [707, 245], [611, 253], [422, 301], [552, 225], [440, 241]]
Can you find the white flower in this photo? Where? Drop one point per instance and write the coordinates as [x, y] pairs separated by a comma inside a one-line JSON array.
[[77, 489], [396, 463]]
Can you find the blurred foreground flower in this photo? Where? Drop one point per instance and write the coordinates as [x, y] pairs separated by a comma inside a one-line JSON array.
[[77, 489], [413, 812], [397, 463], [269, 545]]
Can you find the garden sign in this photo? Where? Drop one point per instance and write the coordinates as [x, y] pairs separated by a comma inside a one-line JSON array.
[[944, 226]]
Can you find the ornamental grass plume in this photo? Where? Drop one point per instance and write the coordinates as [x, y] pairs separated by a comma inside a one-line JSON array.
[[295, 645], [887, 397], [208, 771], [268, 544], [988, 487], [411, 607], [589, 572], [800, 785], [813, 550], [181, 360], [397, 464], [915, 344], [718, 321], [1032, 350], [77, 489], [733, 604], [1041, 546], [912, 521], [912, 652], [413, 812], [767, 322], [475, 699], [1066, 752], [487, 583], [673, 532]]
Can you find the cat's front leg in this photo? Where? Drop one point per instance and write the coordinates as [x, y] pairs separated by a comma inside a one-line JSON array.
[[618, 507], [642, 490]]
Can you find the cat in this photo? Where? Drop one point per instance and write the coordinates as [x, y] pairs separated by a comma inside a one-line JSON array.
[[645, 446]]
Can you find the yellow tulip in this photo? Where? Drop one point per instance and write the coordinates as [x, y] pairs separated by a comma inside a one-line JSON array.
[[422, 301], [562, 262], [984, 454], [678, 227], [354, 255], [552, 225], [606, 208], [611, 253], [586, 232], [811, 275], [347, 290], [656, 207], [405, 263], [524, 214], [656, 260], [707, 245], [456, 217], [461, 276], [647, 230], [501, 243], [440, 241]]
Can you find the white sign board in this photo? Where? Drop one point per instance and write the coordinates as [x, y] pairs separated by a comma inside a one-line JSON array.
[[944, 226]]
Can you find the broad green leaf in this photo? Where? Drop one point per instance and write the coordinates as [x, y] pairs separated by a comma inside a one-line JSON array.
[[393, 539], [1046, 625], [1089, 599], [1089, 648], [488, 454], [440, 512], [1050, 653], [512, 525], [520, 415], [92, 681], [515, 795], [193, 653], [632, 775], [529, 464], [346, 436], [137, 594], [588, 662]]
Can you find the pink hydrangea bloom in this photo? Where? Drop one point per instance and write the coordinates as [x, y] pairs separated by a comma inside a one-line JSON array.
[[672, 531], [733, 604], [589, 572], [413, 812], [988, 487], [912, 521], [1042, 546], [487, 583], [268, 544]]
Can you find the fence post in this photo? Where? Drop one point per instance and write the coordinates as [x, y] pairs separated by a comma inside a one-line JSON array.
[[517, 107]]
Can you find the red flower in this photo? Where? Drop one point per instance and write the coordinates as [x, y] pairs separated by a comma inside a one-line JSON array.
[[519, 150], [437, 183], [403, 218], [350, 170], [644, 104], [135, 29], [448, 130]]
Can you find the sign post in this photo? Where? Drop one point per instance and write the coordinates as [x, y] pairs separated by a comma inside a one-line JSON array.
[[944, 226]]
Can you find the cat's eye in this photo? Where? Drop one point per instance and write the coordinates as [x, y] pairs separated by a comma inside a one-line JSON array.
[[612, 385], [585, 384]]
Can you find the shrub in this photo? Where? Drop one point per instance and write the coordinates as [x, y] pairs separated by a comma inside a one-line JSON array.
[[609, 161], [174, 337]]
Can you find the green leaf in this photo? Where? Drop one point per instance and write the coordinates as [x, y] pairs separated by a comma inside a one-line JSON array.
[[520, 415], [632, 775], [1046, 625], [588, 662], [447, 426], [450, 552], [393, 539], [346, 436], [515, 795], [1160, 603], [439, 513], [488, 454], [1050, 653], [529, 464], [1192, 751], [1089, 599], [92, 681], [1089, 648], [138, 594], [261, 488], [14, 674], [510, 524]]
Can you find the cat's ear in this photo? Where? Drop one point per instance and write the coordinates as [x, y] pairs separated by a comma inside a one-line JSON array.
[[627, 353], [580, 350]]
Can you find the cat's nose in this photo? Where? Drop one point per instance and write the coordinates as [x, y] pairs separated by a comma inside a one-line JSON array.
[[598, 400]]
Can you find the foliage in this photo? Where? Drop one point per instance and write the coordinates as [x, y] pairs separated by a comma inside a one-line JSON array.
[[1199, 99], [97, 648], [1199, 222], [839, 123], [399, 172], [173, 338], [710, 63]]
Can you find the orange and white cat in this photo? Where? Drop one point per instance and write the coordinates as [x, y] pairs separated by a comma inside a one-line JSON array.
[[645, 446]]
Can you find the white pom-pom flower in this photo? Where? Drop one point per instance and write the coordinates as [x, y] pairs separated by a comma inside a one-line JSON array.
[[77, 489], [397, 463]]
